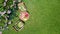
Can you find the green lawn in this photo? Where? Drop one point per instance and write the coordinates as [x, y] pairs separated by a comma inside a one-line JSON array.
[[44, 18]]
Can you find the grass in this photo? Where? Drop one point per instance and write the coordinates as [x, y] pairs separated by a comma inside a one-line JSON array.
[[44, 18]]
